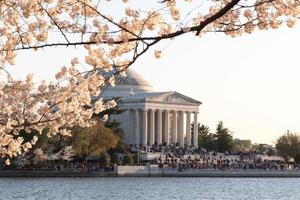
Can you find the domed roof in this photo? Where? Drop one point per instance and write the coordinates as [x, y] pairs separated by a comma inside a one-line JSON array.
[[132, 78], [132, 83]]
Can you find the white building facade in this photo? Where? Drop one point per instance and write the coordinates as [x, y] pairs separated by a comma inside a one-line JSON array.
[[151, 117]]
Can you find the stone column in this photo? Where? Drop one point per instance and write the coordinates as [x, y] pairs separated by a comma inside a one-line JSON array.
[[195, 139], [159, 127], [126, 117], [166, 121], [152, 127], [137, 128], [188, 128], [145, 127], [174, 127], [180, 131]]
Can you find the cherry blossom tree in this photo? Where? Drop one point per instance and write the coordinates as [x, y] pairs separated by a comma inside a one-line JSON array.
[[114, 34]]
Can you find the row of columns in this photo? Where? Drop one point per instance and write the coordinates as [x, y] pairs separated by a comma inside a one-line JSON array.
[[152, 135]]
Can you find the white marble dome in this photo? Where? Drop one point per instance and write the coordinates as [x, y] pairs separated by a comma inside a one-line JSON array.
[[133, 83]]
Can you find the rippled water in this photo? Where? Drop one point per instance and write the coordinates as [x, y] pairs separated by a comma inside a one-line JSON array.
[[149, 188]]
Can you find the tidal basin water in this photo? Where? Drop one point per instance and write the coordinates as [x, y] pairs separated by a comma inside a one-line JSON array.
[[149, 188]]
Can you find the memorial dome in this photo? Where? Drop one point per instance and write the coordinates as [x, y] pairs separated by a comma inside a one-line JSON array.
[[132, 83]]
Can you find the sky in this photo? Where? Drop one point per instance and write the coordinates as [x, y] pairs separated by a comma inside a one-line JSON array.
[[251, 83]]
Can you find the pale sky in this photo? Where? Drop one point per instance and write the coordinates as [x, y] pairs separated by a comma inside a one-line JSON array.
[[251, 83]]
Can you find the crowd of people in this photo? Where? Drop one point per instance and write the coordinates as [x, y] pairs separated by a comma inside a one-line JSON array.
[[173, 157], [59, 165], [179, 158], [221, 162]]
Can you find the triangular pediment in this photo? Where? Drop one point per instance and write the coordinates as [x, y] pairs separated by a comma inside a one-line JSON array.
[[173, 98]]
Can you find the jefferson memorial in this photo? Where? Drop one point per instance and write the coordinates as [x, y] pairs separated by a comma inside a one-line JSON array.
[[152, 117]]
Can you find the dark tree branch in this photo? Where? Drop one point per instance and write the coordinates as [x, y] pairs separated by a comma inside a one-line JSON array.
[[109, 20], [218, 15], [197, 28], [53, 20]]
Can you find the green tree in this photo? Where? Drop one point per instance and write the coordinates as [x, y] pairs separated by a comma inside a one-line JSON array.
[[223, 138], [261, 148], [128, 159], [206, 139], [288, 146], [270, 152], [239, 145], [42, 141], [115, 158], [104, 159], [115, 126], [92, 141]]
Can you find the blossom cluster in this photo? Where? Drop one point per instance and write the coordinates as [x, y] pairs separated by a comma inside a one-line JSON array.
[[54, 107]]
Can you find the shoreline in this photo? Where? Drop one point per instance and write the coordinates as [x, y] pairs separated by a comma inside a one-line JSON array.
[[160, 173]]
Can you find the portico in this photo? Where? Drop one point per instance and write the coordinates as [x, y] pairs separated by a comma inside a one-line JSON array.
[[156, 117]]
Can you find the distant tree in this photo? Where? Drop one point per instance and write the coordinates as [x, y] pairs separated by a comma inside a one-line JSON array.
[[206, 139], [115, 126], [297, 158], [203, 132], [135, 158], [263, 149], [92, 141], [104, 159], [288, 146], [223, 138], [239, 145], [115, 158], [42, 139], [52, 146], [128, 159], [260, 148], [220, 141], [270, 152]]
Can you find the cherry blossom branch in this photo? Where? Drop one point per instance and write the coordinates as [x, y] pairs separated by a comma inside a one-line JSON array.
[[213, 18], [197, 29], [54, 22]]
